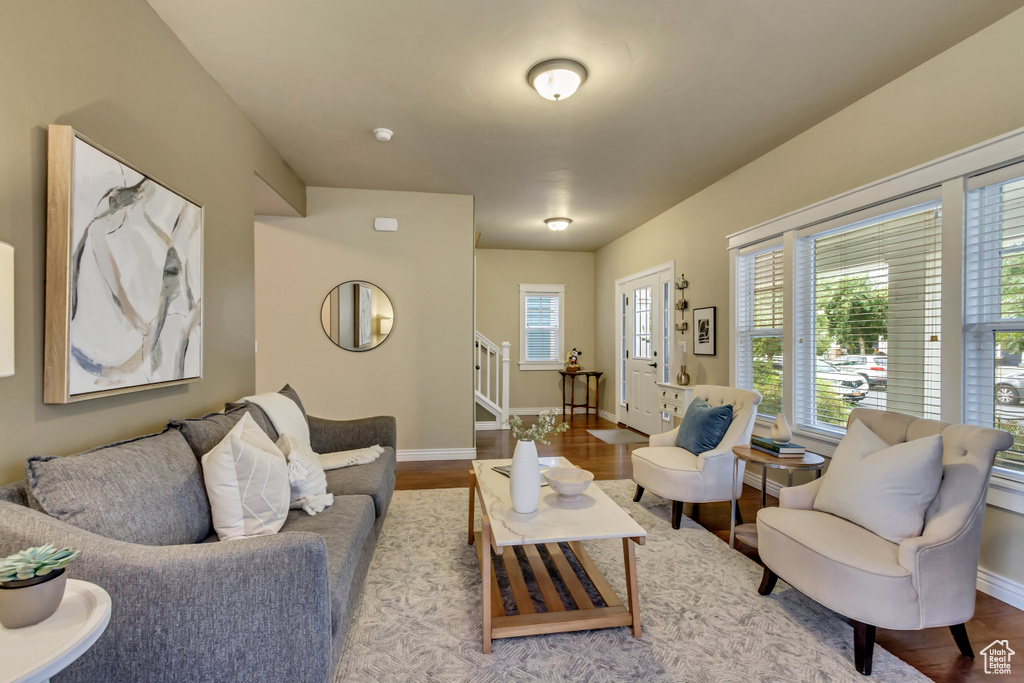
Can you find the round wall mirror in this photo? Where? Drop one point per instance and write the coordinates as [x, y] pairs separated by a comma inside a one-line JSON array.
[[357, 315]]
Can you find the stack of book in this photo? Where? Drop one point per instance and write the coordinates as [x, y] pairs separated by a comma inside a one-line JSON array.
[[779, 450]]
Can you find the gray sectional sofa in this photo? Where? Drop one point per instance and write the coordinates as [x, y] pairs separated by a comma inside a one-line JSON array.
[[185, 606]]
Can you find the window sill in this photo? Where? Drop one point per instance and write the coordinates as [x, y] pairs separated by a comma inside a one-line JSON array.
[[540, 365], [1006, 491]]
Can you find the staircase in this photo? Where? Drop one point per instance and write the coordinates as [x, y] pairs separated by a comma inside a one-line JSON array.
[[491, 388]]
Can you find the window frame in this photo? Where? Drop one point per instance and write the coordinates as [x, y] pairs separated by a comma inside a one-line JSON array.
[[949, 177], [528, 290], [745, 330]]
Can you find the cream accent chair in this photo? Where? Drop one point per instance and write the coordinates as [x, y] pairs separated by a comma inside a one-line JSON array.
[[925, 581], [681, 476]]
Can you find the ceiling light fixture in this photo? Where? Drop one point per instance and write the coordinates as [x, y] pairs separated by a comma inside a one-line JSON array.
[[558, 224], [383, 134], [557, 79]]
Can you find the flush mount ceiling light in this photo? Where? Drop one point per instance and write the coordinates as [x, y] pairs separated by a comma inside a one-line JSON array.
[[383, 134], [557, 79], [558, 224]]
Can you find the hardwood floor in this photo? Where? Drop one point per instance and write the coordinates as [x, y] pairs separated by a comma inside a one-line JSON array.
[[931, 651]]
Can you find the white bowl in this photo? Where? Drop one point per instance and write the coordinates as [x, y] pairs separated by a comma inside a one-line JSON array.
[[568, 482]]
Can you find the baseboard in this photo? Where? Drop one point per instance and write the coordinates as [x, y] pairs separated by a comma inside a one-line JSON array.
[[538, 411], [489, 426], [753, 480], [437, 454], [611, 417], [1001, 588]]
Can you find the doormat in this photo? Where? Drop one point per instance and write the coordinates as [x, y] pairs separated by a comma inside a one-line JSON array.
[[617, 436]]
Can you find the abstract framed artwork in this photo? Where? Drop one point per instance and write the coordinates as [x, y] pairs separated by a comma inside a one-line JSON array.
[[704, 331], [124, 276]]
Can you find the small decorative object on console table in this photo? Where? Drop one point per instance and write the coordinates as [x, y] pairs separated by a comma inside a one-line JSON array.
[[524, 484], [781, 433], [32, 584], [572, 360]]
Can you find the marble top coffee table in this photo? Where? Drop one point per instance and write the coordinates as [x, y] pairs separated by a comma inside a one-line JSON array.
[[550, 540]]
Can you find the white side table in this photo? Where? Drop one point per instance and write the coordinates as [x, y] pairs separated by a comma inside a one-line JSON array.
[[34, 653]]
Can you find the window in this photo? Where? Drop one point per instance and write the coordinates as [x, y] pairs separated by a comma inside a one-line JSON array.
[[891, 302], [542, 327], [869, 288], [759, 326], [994, 310]]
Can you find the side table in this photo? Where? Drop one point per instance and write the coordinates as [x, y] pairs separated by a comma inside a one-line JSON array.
[[810, 461], [34, 653], [586, 375]]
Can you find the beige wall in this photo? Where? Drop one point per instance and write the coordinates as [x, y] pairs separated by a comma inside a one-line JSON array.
[[499, 272], [116, 73], [422, 374], [961, 97]]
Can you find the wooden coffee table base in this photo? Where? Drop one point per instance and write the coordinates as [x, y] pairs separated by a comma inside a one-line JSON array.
[[559, 617]]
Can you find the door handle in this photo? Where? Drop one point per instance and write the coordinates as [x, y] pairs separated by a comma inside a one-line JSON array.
[[653, 365]]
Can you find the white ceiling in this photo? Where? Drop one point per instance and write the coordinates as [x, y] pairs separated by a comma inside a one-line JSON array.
[[680, 93]]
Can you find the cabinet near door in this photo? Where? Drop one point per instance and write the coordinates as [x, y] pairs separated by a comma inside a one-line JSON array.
[[674, 401]]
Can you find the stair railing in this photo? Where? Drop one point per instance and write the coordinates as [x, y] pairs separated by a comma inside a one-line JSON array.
[[492, 370]]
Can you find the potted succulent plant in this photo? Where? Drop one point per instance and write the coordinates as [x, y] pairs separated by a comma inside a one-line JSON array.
[[524, 484], [32, 584]]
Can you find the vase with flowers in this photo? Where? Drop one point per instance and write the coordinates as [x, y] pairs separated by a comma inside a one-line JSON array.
[[524, 483]]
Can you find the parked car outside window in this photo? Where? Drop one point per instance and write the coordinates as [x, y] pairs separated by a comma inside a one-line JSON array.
[[1010, 389], [847, 385], [871, 368]]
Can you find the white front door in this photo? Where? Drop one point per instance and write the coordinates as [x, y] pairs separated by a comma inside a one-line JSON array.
[[642, 322]]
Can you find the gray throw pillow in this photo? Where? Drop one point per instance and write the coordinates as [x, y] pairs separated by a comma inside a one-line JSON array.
[[147, 490], [203, 433]]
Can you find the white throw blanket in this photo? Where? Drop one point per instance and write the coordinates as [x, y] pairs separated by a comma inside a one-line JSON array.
[[285, 415], [288, 419], [358, 456]]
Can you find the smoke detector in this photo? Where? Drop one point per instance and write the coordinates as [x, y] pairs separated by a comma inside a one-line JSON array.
[[383, 134]]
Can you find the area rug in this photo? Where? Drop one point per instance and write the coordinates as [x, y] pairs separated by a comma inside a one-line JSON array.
[[617, 436], [419, 617]]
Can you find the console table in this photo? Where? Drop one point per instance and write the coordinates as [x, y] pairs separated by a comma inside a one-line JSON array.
[[586, 374]]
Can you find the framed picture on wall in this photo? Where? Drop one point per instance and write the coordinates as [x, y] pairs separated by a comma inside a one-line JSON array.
[[704, 331], [124, 276]]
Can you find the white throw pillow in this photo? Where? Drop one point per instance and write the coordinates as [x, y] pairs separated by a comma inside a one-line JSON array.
[[246, 480], [305, 473], [885, 489]]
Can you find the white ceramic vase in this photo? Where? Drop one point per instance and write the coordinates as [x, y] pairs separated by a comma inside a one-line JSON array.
[[781, 433], [524, 485]]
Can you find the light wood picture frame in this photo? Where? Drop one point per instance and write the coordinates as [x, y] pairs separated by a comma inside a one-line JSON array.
[[124, 276], [704, 331]]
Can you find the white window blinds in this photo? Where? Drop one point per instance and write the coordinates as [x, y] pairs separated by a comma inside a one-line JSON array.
[[870, 287], [994, 308], [759, 326], [542, 327], [542, 315]]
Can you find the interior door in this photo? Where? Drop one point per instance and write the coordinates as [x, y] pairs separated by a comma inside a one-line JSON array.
[[643, 331]]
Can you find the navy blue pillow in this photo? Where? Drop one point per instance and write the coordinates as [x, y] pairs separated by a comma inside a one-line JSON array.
[[703, 427]]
